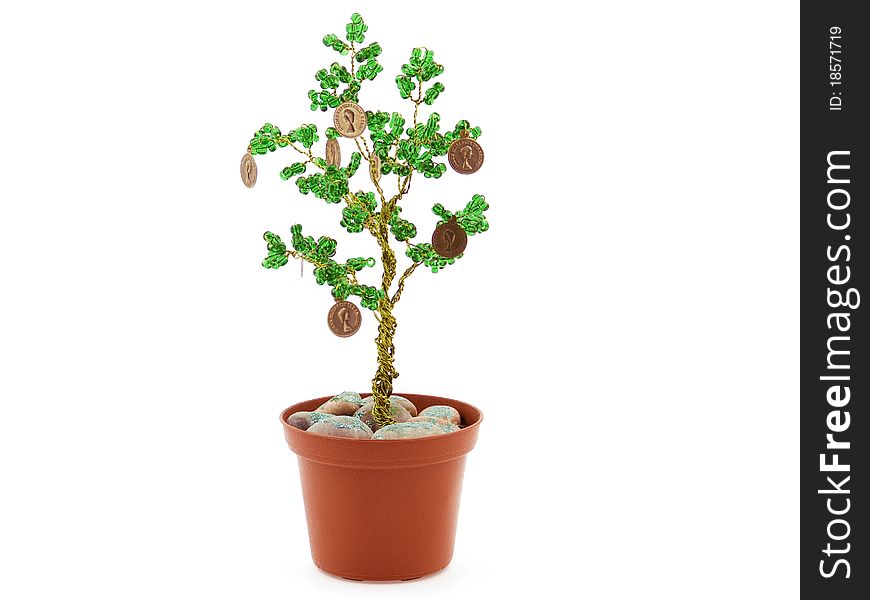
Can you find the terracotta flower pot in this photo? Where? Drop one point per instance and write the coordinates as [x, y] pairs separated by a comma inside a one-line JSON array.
[[382, 510]]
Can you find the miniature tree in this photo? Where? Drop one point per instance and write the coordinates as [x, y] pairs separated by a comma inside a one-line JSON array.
[[395, 150]]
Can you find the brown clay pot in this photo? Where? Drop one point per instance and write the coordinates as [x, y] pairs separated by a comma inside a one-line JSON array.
[[382, 510]]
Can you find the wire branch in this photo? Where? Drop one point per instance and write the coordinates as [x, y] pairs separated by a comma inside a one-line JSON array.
[[402, 279]]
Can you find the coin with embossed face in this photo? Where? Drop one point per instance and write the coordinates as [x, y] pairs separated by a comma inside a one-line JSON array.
[[449, 239], [248, 169], [375, 167], [333, 152], [344, 318], [465, 155], [349, 119]]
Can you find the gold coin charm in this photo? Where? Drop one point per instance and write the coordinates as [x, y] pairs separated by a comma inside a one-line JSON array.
[[465, 155], [449, 239], [349, 119], [333, 152], [344, 318], [375, 167], [248, 170]]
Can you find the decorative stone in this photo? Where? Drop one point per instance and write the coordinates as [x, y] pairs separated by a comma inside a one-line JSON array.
[[448, 413], [304, 419], [342, 426], [409, 406], [447, 425], [398, 411], [346, 403], [409, 430]]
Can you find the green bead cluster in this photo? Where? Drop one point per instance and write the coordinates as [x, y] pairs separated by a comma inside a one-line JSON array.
[[331, 185], [330, 40], [353, 165], [266, 139], [305, 135], [471, 218], [331, 79], [371, 51], [433, 92], [369, 70], [358, 264], [417, 148], [359, 211], [356, 29], [296, 168], [277, 251], [328, 271], [401, 228], [425, 254], [369, 296], [326, 99], [463, 125], [383, 139], [269, 137], [422, 67], [405, 85]]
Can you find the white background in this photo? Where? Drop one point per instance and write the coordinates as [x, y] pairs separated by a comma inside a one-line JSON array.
[[629, 324]]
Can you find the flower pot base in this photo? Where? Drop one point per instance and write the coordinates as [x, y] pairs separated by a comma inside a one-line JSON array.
[[409, 577], [383, 510]]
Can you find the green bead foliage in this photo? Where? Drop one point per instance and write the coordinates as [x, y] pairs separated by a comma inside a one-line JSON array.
[[425, 254], [332, 79], [305, 135], [400, 228], [422, 67], [354, 216], [373, 50], [356, 29], [330, 40], [296, 168], [416, 148], [331, 185], [471, 218], [353, 165], [277, 251], [330, 272], [265, 139]]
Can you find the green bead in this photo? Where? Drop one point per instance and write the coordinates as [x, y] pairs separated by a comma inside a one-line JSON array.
[[356, 29], [332, 41], [471, 218], [396, 123], [332, 133], [306, 135], [358, 264], [405, 85], [400, 228], [370, 70], [277, 250], [293, 170], [354, 218], [353, 165], [376, 121], [339, 72], [371, 51], [433, 92]]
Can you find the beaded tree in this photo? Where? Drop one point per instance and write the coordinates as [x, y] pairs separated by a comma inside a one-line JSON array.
[[396, 151]]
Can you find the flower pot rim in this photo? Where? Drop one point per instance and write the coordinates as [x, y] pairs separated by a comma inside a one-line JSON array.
[[381, 454]]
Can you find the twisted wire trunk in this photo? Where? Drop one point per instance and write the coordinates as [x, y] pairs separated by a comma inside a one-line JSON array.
[[382, 384]]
